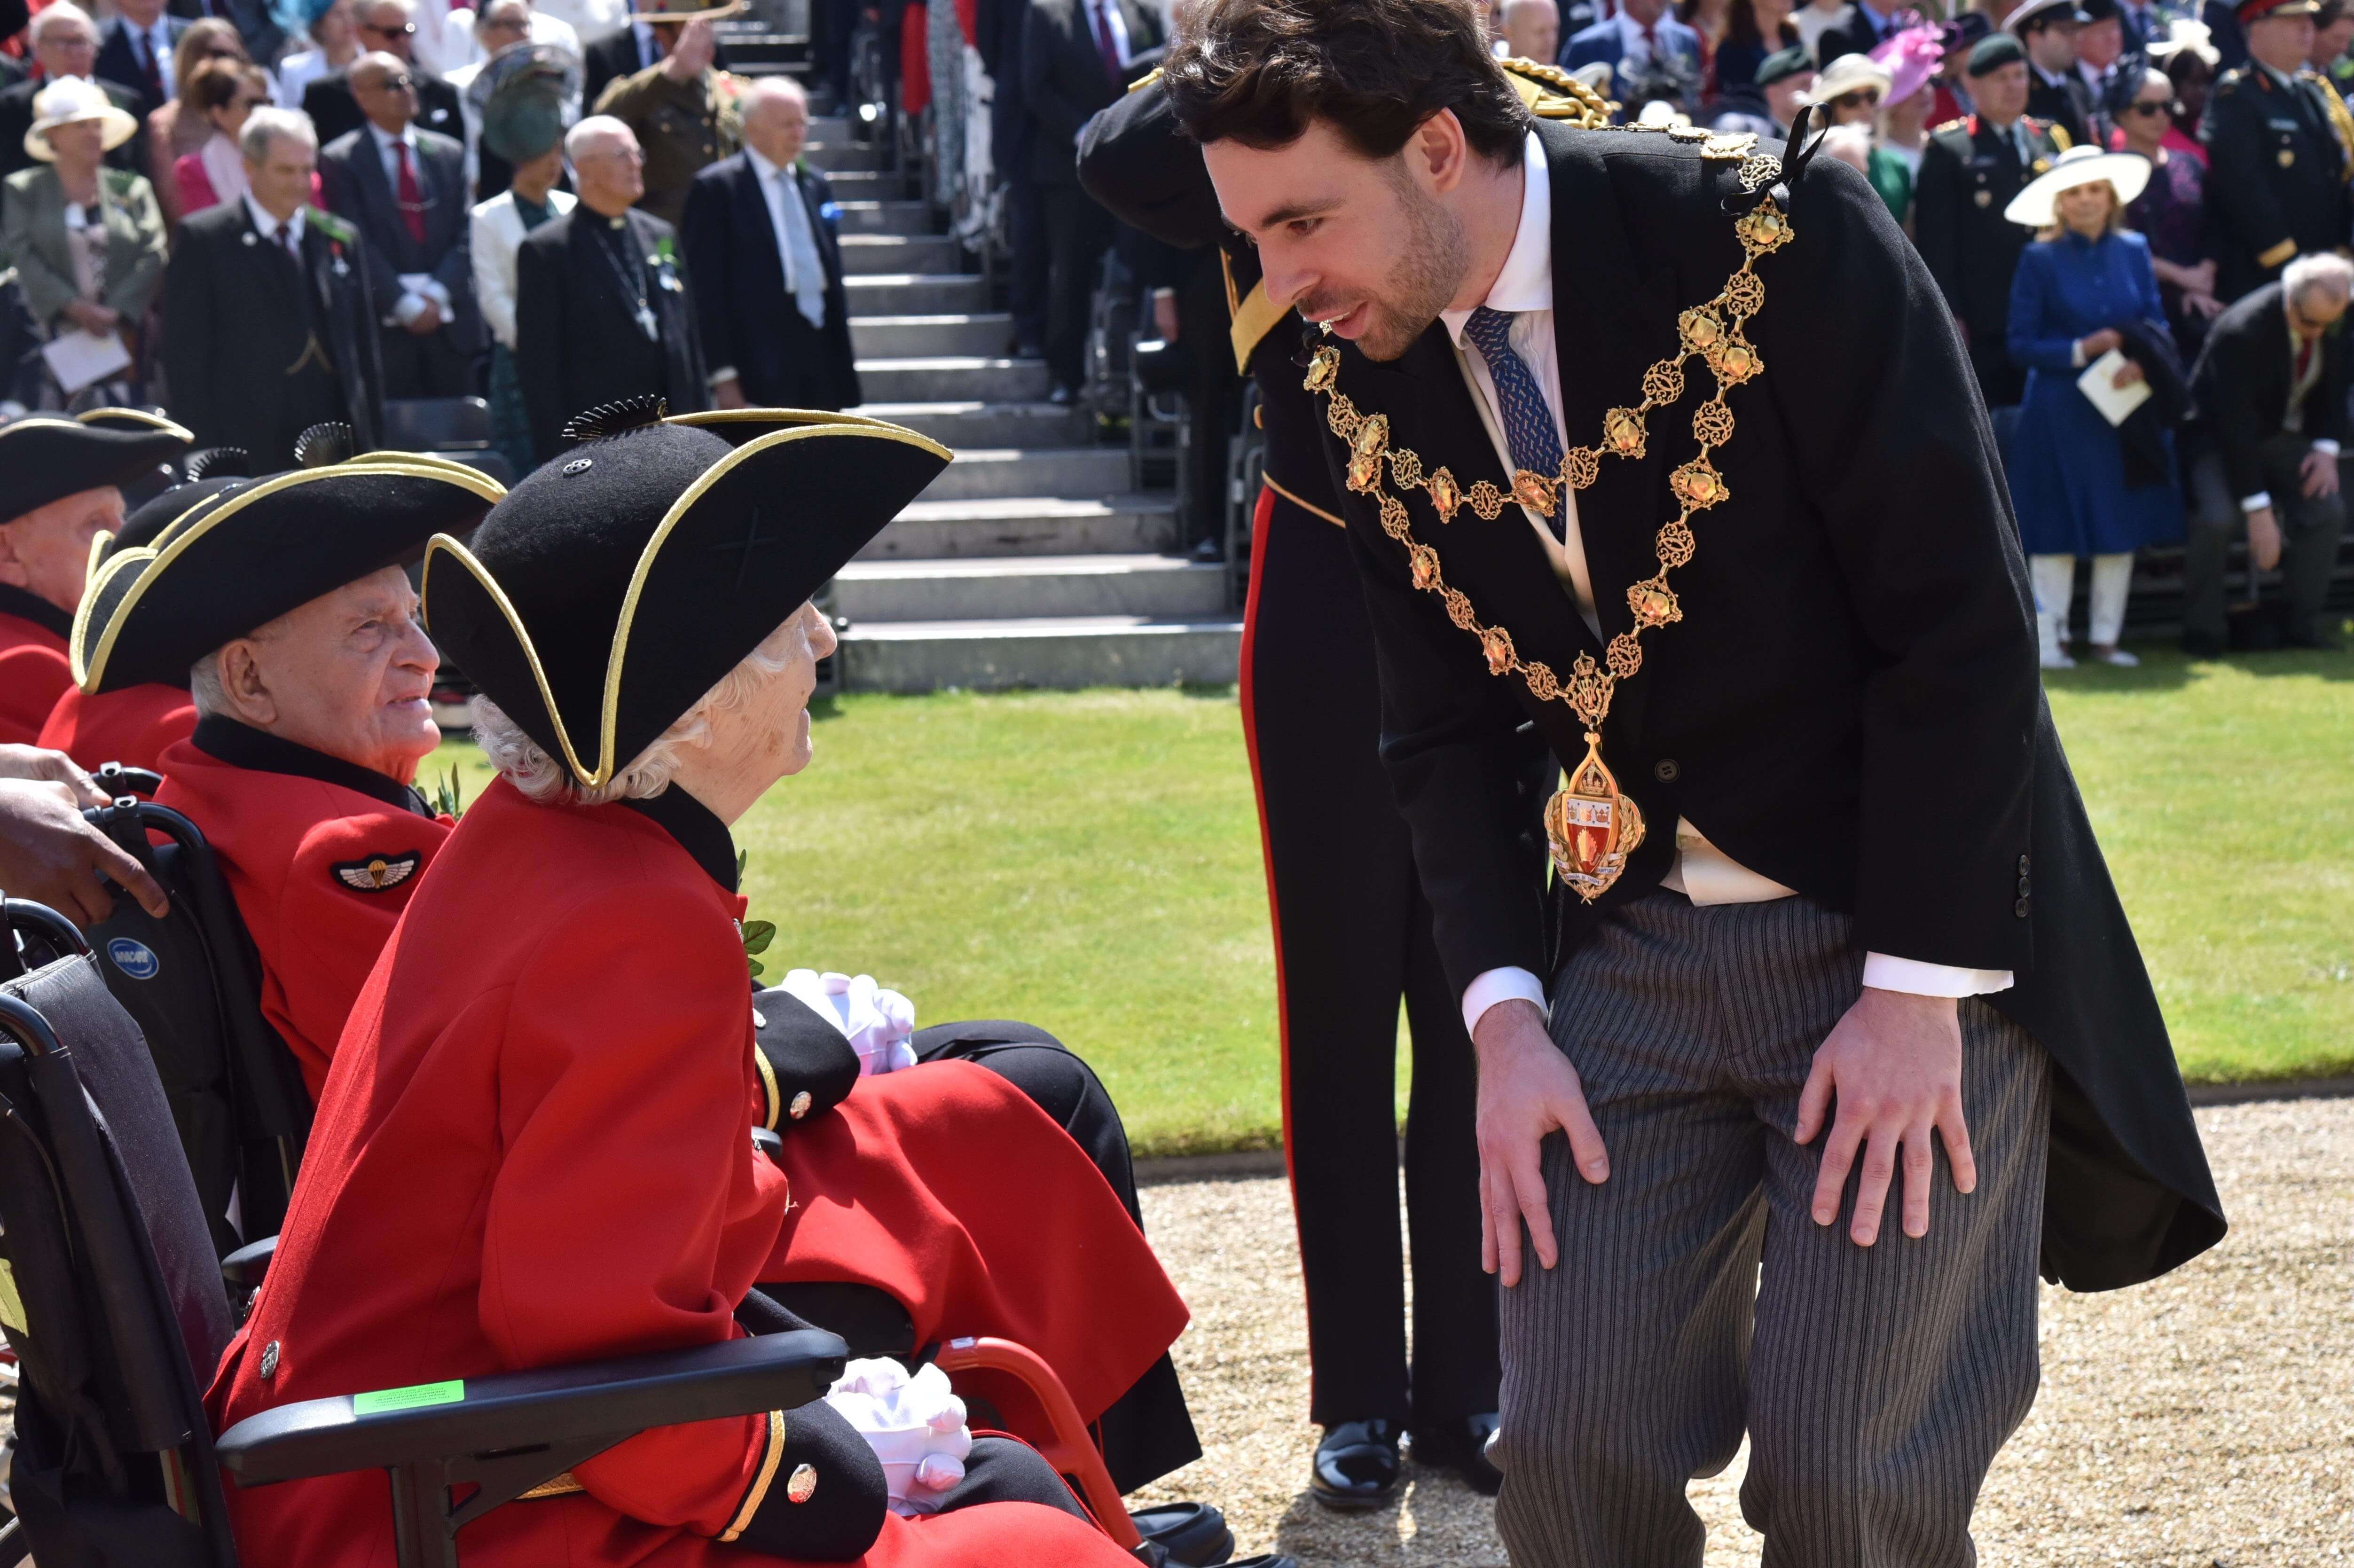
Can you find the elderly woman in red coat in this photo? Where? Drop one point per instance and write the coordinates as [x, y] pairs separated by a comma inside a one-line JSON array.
[[534, 1143]]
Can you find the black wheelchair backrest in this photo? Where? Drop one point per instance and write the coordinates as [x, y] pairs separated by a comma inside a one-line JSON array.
[[190, 982]]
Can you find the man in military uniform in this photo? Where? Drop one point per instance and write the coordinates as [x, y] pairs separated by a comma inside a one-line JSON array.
[[1351, 917], [683, 110], [1970, 170], [2056, 92], [60, 483], [1788, 915], [2278, 142]]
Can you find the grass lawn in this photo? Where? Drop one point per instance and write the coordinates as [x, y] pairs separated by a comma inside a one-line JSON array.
[[1089, 862]]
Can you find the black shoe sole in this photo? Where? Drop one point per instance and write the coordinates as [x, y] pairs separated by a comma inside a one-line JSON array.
[[1354, 1505]]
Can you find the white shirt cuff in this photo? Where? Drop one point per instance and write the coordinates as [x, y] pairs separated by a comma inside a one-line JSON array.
[[1506, 984], [2262, 501], [2325, 447], [1882, 972], [725, 373]]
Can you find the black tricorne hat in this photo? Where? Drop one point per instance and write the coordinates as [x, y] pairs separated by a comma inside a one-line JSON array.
[[47, 457], [209, 473], [619, 583], [242, 554]]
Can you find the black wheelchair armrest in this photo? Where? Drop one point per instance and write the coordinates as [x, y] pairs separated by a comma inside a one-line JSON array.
[[245, 1268], [548, 1408]]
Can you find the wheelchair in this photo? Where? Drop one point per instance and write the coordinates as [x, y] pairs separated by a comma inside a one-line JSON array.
[[190, 984], [117, 1311]]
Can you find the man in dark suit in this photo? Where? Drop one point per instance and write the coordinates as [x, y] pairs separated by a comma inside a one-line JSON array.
[[405, 190], [2056, 92], [64, 43], [2277, 186], [602, 311], [1970, 170], [274, 310], [1639, 41], [766, 267], [135, 48], [2269, 389], [1863, 31], [384, 26], [998, 25], [1790, 916], [1077, 58]]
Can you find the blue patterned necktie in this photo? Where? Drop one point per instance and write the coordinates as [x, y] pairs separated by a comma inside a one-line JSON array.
[[1519, 404]]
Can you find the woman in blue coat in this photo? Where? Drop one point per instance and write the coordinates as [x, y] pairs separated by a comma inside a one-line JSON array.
[[2074, 289]]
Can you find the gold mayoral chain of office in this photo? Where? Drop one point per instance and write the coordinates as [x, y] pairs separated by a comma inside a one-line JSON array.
[[1592, 827]]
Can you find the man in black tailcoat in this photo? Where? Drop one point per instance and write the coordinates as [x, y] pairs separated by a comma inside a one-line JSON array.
[[602, 311], [1970, 170], [2277, 145], [405, 190], [274, 309], [767, 268], [1077, 57], [1618, 420], [1351, 918]]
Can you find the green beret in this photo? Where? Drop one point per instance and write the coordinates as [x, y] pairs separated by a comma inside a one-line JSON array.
[[1783, 64], [1993, 52]]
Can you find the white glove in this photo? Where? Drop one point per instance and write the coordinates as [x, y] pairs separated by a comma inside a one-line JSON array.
[[877, 1023], [913, 1423]]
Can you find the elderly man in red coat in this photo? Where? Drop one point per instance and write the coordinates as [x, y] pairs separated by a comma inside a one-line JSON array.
[[60, 489], [544, 1100]]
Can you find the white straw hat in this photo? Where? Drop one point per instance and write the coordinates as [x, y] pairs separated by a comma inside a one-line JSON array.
[[70, 99], [2124, 173], [1846, 75]]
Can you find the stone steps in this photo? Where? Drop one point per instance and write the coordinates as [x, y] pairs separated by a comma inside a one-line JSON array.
[[950, 333], [992, 473], [837, 150], [868, 254], [868, 216], [915, 293], [1063, 652], [953, 379], [1030, 588], [974, 423], [1137, 522]]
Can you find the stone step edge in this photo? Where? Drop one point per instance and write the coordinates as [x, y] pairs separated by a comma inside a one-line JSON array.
[[1014, 629], [909, 568]]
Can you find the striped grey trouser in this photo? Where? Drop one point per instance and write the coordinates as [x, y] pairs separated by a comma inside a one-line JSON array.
[[1875, 1383]]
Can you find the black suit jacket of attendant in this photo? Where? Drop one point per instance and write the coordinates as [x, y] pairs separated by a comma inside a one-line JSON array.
[[351, 173], [576, 334], [2066, 103], [240, 315], [16, 117], [2240, 385], [334, 112], [1969, 172], [1064, 81], [746, 317], [1850, 705], [118, 59], [2277, 180]]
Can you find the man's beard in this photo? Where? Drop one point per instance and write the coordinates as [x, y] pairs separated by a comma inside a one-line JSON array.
[[1431, 262]]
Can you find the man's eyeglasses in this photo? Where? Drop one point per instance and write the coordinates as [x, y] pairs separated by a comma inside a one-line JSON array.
[[398, 83], [405, 30]]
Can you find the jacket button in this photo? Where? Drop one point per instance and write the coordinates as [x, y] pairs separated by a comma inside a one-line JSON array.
[[2020, 908], [270, 1359], [801, 1106], [2023, 865], [1666, 770], [802, 1484], [2023, 889]]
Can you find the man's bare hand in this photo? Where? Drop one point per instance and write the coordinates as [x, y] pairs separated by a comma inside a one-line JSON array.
[[2318, 473], [48, 854], [427, 318], [1527, 1089], [2263, 539], [37, 762], [1895, 1066], [697, 46]]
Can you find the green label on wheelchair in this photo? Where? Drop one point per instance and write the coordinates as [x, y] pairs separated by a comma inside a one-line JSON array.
[[378, 1402]]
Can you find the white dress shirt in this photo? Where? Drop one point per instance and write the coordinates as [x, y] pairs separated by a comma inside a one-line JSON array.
[[1700, 871], [267, 226], [495, 234], [1634, 48]]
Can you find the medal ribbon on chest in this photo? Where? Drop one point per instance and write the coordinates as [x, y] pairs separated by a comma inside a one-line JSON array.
[[1591, 826]]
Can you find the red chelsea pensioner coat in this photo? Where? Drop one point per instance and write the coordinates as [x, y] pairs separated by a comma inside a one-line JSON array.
[[534, 1148], [33, 672], [133, 726]]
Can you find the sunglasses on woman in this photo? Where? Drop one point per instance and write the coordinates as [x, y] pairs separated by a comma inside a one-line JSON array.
[[1863, 98], [2149, 106]]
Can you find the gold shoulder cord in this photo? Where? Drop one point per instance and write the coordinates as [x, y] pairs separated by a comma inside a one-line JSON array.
[[1592, 827]]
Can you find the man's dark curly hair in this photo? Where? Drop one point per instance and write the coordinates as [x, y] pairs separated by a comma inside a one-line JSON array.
[[1261, 71]]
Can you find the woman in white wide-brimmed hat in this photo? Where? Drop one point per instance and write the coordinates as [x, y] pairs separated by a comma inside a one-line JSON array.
[[87, 240], [2078, 488]]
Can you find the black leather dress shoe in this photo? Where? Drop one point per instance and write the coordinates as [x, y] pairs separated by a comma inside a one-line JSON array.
[[1192, 1533], [1461, 1447], [1356, 1465]]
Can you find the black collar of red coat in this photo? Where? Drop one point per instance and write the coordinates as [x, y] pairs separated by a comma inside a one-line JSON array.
[[698, 831], [224, 740], [32, 606]]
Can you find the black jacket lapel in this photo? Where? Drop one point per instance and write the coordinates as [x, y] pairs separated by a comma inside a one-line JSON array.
[[753, 204]]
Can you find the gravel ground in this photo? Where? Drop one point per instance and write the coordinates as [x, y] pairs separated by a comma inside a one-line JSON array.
[[2206, 1421]]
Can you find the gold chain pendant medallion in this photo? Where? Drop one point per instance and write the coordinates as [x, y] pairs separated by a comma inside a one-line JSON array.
[[1592, 827]]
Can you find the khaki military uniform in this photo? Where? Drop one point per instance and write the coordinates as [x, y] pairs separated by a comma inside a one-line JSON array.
[[684, 126]]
